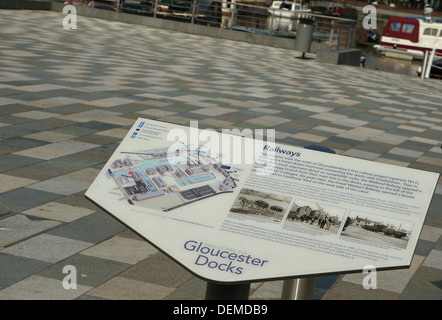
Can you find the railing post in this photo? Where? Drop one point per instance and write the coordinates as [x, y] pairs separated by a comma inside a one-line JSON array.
[[155, 9], [271, 23], [353, 34], [339, 36], [192, 21], [347, 37], [332, 31]]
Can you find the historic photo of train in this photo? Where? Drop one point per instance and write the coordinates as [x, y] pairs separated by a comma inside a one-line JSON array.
[[378, 229], [315, 216], [258, 204]]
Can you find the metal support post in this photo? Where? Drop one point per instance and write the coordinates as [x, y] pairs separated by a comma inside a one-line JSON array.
[[298, 289], [216, 291]]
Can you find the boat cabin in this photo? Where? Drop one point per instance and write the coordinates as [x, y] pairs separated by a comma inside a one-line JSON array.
[[412, 33]]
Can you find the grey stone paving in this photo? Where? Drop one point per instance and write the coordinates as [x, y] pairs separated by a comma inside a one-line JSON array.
[[68, 97]]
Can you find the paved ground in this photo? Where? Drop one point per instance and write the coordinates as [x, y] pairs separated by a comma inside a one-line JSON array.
[[68, 97]]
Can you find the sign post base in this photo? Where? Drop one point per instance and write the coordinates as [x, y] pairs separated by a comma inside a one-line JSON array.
[[227, 291]]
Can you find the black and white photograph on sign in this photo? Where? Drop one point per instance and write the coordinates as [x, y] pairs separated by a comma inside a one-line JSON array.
[[378, 229], [258, 204], [315, 215]]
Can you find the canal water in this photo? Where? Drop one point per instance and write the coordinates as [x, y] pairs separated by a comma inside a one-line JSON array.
[[377, 61]]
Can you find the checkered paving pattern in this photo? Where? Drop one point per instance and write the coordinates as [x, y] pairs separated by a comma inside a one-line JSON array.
[[67, 97]]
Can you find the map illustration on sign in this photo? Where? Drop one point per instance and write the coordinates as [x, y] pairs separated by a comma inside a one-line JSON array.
[[169, 178]]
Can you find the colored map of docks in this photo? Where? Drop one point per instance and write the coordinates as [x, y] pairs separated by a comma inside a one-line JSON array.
[[164, 179]]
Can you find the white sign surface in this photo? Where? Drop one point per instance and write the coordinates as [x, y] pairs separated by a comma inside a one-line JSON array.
[[292, 212]]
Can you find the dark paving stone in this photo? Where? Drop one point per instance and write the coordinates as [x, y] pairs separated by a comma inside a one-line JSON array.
[[16, 268], [37, 172], [97, 125], [91, 271], [158, 269], [12, 161], [22, 143], [27, 198], [93, 228]]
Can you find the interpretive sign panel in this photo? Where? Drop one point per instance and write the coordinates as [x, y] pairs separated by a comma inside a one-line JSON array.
[[199, 197]]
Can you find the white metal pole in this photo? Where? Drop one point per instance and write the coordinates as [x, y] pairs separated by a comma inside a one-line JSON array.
[[424, 65], [429, 64]]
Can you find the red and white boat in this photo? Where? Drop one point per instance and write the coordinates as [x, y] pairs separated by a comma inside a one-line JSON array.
[[409, 38]]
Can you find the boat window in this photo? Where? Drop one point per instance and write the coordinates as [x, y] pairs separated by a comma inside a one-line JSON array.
[[395, 26], [430, 32], [408, 28]]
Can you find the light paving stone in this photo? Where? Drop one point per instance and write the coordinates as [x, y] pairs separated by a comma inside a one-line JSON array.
[[110, 102], [361, 133], [41, 288], [48, 248], [361, 154], [425, 140], [430, 233], [214, 111], [73, 146], [114, 133], [308, 137], [50, 136], [347, 102], [60, 185], [329, 129], [328, 116], [36, 115], [86, 174], [352, 123], [43, 152], [268, 121], [59, 212], [268, 290], [156, 113], [116, 249], [434, 259], [412, 128], [127, 289], [389, 138], [405, 152], [8, 182], [53, 102], [19, 226]]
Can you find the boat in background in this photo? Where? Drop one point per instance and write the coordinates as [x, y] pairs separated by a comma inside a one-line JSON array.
[[288, 9], [285, 15], [409, 38]]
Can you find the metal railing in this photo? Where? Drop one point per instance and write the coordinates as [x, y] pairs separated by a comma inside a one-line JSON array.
[[260, 19]]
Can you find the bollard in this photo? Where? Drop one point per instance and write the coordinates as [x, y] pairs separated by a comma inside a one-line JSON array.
[[304, 35]]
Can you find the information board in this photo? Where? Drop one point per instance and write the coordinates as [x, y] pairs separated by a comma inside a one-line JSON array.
[[290, 212]]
